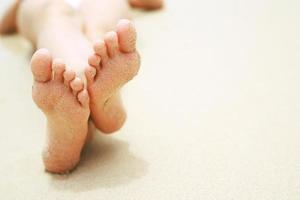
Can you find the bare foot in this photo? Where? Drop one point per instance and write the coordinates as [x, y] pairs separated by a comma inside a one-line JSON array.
[[146, 4], [115, 62], [65, 103]]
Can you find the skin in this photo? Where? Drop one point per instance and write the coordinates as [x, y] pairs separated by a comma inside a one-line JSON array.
[[147, 4], [79, 68]]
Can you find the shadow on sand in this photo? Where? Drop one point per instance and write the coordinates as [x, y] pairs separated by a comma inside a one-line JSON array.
[[106, 162]]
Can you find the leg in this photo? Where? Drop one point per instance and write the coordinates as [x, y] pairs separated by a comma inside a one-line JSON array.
[[53, 25], [102, 16], [115, 60], [56, 91]]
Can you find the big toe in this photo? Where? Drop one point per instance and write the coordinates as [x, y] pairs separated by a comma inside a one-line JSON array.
[[41, 65], [126, 35]]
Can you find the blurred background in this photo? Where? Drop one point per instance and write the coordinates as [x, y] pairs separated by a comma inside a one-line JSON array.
[[213, 114]]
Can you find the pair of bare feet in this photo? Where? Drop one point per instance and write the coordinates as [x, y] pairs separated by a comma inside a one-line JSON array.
[[69, 100], [66, 102]]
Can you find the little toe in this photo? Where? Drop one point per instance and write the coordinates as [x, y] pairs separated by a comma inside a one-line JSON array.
[[69, 75], [127, 36], [58, 68], [100, 49], [111, 40], [41, 67], [90, 73], [94, 60], [83, 98], [76, 85]]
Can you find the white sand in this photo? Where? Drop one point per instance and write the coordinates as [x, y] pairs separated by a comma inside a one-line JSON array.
[[213, 114]]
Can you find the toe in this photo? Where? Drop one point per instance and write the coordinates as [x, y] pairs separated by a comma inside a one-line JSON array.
[[83, 98], [41, 65], [90, 73], [94, 60], [76, 85], [58, 67], [100, 49], [111, 41], [127, 36], [69, 75]]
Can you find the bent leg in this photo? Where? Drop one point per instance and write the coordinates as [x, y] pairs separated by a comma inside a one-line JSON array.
[[114, 67], [56, 89], [53, 25], [102, 16]]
